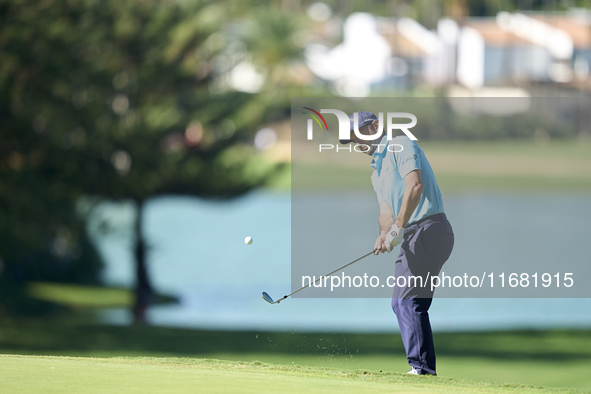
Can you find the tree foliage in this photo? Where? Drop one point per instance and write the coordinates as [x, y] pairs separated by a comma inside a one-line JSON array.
[[115, 100]]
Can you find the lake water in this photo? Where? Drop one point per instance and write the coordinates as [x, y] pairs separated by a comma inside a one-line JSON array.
[[197, 253]]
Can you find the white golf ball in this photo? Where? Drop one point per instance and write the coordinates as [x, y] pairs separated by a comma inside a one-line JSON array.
[[248, 240]]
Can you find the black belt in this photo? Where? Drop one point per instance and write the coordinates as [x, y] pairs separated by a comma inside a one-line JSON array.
[[413, 228]]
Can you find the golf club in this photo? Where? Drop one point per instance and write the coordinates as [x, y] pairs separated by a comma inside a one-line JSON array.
[[268, 298]]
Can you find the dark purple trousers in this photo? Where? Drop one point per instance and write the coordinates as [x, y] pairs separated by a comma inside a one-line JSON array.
[[426, 247]]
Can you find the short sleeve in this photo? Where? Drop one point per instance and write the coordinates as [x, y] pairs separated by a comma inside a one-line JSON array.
[[375, 181], [409, 159]]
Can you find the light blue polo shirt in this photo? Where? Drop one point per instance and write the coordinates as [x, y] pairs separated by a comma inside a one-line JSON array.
[[391, 167]]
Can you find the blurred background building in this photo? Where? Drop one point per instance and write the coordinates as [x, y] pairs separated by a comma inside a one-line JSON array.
[[522, 48]]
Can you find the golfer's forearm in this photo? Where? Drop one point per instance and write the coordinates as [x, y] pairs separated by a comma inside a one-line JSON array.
[[385, 222], [410, 201]]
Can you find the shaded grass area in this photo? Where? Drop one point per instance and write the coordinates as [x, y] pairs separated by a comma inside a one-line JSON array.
[[148, 374], [44, 337], [82, 296], [550, 358]]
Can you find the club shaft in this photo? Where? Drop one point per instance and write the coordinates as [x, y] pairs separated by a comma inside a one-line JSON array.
[[329, 274]]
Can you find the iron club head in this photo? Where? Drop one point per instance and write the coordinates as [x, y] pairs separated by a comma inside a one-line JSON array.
[[267, 298]]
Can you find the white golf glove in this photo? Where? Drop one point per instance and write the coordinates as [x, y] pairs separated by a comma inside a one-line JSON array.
[[394, 237]]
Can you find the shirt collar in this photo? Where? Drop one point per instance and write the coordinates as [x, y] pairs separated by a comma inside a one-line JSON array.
[[378, 156]]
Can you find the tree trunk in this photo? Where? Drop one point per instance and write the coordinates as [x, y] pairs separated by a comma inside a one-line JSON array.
[[143, 288]]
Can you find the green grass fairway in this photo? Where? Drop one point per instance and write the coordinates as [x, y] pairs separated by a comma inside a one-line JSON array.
[[552, 358], [50, 374]]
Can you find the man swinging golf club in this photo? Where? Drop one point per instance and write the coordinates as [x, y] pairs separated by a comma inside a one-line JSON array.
[[412, 216]]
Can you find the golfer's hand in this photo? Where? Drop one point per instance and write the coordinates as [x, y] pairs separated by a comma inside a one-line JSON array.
[[380, 245], [394, 237]]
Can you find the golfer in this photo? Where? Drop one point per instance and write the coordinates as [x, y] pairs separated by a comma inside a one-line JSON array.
[[412, 216]]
